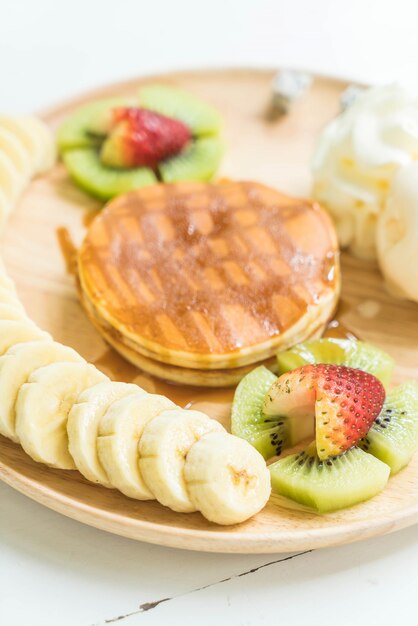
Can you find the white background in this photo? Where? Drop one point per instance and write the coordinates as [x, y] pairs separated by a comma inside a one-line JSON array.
[[56, 572]]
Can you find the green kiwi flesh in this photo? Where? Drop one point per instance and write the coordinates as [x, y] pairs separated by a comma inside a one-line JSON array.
[[348, 352], [199, 161], [82, 128], [200, 117], [393, 438], [330, 485], [100, 181], [267, 435]]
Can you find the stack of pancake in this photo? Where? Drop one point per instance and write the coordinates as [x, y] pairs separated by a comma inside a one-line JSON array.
[[199, 282]]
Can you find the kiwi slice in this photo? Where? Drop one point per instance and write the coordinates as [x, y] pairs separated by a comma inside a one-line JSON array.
[[83, 128], [330, 485], [103, 182], [267, 435], [393, 438], [199, 161], [200, 117], [348, 352]]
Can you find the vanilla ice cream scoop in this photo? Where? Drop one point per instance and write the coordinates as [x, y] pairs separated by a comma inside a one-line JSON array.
[[397, 234], [356, 158]]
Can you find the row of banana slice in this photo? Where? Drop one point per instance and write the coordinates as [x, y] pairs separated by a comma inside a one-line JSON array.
[[67, 414], [27, 148]]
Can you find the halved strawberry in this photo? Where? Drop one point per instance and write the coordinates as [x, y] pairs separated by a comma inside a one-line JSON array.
[[139, 137], [341, 401]]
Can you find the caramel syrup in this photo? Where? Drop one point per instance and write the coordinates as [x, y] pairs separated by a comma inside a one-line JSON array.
[[336, 330], [89, 216], [68, 249]]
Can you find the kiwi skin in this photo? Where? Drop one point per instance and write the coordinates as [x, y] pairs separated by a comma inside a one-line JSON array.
[[393, 438], [331, 485]]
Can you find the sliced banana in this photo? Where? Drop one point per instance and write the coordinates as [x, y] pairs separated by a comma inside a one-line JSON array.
[[227, 479], [12, 312], [19, 331], [163, 448], [44, 139], [42, 408], [83, 421], [9, 296], [11, 181], [15, 368], [6, 281], [11, 145], [5, 207], [36, 138], [120, 430]]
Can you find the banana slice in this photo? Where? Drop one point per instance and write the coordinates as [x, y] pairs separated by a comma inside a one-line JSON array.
[[6, 281], [15, 368], [163, 448], [227, 479], [12, 312], [36, 138], [42, 408], [9, 296], [45, 142], [11, 145], [120, 430], [19, 331], [11, 181], [82, 426], [5, 207]]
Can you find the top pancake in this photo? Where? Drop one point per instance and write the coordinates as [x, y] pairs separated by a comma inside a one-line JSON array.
[[210, 275]]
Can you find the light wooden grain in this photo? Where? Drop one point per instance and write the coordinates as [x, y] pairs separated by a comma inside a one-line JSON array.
[[276, 152]]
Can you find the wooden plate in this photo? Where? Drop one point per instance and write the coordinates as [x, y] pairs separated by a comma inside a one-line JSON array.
[[275, 151]]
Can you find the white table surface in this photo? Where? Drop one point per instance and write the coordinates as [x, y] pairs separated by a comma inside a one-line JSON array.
[[57, 572]]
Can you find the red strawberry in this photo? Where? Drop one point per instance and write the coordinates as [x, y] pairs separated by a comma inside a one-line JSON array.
[[344, 402], [139, 137]]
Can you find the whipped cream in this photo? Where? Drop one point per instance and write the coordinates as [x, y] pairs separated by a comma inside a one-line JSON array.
[[397, 234], [356, 158]]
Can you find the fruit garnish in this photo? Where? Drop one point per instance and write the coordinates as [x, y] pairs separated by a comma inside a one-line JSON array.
[[348, 352], [139, 137], [330, 485], [393, 437], [163, 133], [341, 401]]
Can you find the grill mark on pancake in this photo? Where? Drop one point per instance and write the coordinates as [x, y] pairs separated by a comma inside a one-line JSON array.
[[202, 222], [261, 239], [245, 217], [234, 272], [163, 227], [203, 325], [214, 279], [131, 226], [219, 247], [196, 249], [170, 330], [156, 279]]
